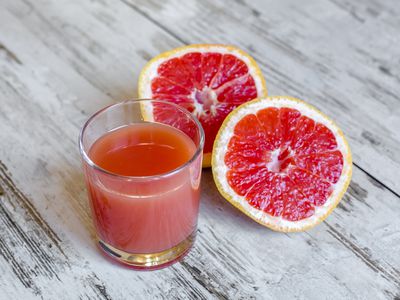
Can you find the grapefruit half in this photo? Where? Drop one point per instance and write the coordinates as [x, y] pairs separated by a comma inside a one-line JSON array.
[[281, 162], [208, 80]]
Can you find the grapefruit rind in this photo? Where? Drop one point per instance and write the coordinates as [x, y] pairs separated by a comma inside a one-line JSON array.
[[206, 160], [150, 70], [219, 168], [146, 109]]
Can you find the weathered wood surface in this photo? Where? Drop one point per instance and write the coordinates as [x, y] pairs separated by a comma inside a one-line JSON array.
[[62, 60]]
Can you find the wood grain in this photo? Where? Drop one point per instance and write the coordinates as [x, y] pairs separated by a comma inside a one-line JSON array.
[[340, 56], [62, 60]]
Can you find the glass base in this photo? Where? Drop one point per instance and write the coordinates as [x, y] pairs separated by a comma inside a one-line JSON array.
[[149, 261]]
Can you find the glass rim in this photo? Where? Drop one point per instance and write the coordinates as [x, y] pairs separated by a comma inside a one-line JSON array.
[[91, 163]]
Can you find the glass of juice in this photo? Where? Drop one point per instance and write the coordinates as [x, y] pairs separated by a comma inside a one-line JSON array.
[[142, 165]]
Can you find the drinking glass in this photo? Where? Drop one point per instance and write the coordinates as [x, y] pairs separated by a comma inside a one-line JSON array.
[[146, 222]]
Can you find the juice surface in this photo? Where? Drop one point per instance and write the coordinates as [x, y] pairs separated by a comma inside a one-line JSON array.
[[144, 215], [142, 150]]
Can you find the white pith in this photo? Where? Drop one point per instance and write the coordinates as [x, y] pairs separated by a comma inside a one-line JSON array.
[[211, 98], [220, 169], [274, 165]]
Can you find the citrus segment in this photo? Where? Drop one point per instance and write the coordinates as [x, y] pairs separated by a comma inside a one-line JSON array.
[[282, 162], [208, 80]]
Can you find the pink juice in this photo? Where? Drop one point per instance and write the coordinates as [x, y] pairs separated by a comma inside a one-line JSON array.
[[154, 205]]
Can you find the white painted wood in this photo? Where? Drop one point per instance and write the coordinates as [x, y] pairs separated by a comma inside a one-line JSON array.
[[341, 56], [62, 60]]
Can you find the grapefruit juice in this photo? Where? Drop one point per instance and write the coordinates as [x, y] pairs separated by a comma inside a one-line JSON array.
[[144, 202]]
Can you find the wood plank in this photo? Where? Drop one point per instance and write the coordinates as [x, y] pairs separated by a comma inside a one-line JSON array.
[[42, 105], [34, 257], [339, 55], [50, 81]]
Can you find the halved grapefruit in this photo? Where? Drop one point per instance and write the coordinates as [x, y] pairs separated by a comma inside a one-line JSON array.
[[281, 162], [208, 80]]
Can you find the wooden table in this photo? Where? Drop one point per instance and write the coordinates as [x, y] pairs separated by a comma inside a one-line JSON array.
[[60, 61]]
